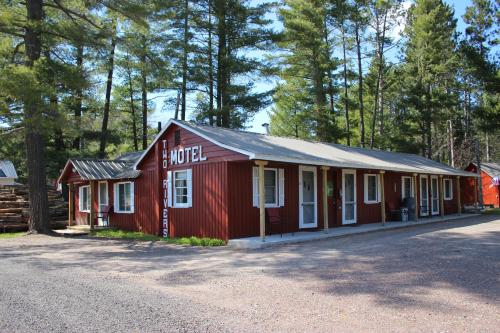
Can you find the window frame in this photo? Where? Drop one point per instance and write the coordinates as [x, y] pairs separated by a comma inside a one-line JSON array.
[[189, 195], [80, 198], [377, 188], [450, 197], [116, 198], [412, 190], [276, 188]]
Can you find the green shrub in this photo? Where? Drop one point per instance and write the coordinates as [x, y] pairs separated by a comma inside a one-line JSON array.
[[195, 241]]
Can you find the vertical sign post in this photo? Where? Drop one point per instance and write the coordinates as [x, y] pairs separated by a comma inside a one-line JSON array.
[[164, 182]]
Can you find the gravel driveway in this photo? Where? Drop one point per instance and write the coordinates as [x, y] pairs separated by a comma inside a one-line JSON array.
[[435, 278]]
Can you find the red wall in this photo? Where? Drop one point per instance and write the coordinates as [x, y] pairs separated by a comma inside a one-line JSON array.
[[491, 193]]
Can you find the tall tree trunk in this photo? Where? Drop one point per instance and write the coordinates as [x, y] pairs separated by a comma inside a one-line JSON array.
[[221, 62], [487, 148], [478, 163], [107, 102], [33, 119], [320, 97], [77, 143], [132, 110], [380, 40], [144, 98], [54, 107], [346, 91], [451, 143], [210, 67], [428, 122], [185, 50], [360, 88], [331, 92]]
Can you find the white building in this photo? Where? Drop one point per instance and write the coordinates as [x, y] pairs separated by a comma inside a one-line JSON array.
[[8, 173]]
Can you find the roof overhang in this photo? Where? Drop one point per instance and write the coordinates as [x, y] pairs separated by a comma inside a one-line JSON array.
[[361, 166]]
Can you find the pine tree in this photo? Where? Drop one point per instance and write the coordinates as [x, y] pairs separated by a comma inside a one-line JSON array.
[[429, 58], [308, 61]]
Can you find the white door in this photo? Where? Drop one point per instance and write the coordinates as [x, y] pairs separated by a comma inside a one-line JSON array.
[[434, 195], [424, 196], [348, 196], [308, 203], [103, 201]]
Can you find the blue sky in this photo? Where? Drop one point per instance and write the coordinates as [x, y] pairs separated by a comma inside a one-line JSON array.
[[263, 117]]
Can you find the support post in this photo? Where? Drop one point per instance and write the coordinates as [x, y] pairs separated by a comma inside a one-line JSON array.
[[262, 200], [441, 195], [417, 205], [325, 197], [71, 203], [459, 193], [382, 196], [92, 211]]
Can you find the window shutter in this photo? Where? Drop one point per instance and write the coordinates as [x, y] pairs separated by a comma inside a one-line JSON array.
[[132, 199], [190, 187], [255, 182], [80, 199], [169, 188], [365, 188], [115, 197], [379, 193], [281, 190]]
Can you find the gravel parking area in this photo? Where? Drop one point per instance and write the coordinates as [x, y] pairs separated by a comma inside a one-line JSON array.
[[435, 278]]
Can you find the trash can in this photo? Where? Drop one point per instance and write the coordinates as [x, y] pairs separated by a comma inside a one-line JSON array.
[[404, 214]]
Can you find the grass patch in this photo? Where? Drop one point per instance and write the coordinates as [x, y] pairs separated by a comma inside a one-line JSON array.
[[492, 211], [140, 236], [195, 241], [11, 235], [135, 235]]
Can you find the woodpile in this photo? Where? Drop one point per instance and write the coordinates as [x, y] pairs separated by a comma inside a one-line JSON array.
[[14, 208]]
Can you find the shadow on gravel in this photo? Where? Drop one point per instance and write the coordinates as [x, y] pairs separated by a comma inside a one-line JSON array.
[[397, 267]]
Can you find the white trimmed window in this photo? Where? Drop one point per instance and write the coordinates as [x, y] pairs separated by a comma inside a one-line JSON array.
[[372, 188], [124, 197], [183, 188], [84, 198], [448, 189], [274, 187], [406, 187]]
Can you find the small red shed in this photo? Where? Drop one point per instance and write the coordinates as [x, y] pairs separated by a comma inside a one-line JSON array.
[[490, 181], [199, 180]]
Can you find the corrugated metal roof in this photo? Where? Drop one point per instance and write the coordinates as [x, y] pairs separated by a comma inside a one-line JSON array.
[[281, 149], [492, 169], [7, 169], [91, 169]]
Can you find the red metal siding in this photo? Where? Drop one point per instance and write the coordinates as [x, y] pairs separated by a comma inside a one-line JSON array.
[[208, 216], [244, 218], [145, 213], [451, 206], [491, 192]]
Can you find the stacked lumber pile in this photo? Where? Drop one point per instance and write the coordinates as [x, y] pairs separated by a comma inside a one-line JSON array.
[[14, 208]]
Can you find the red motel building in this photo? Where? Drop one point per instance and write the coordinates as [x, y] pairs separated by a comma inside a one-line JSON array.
[[199, 180]]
